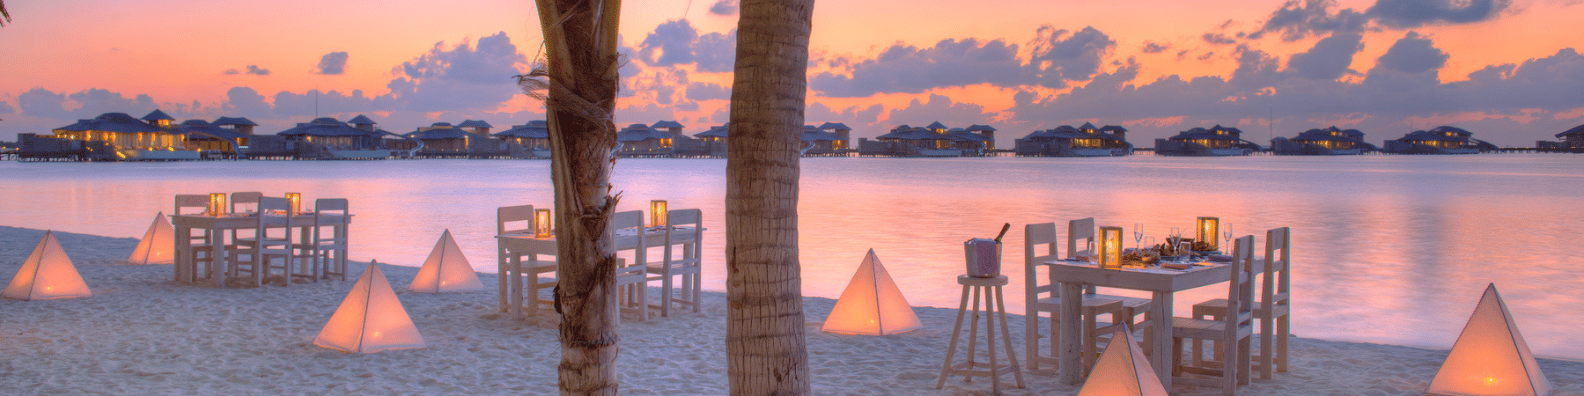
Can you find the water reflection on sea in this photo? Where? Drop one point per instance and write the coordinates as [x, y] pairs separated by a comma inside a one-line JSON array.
[[1389, 249]]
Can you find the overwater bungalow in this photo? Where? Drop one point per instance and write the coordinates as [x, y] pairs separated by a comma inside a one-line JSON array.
[[328, 138], [1326, 141], [1572, 142], [114, 136], [1083, 141], [1440, 140], [639, 140], [1200, 142], [843, 135], [209, 138], [934, 140], [714, 140], [817, 142], [531, 140]]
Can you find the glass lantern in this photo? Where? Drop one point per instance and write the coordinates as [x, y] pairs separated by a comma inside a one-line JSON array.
[[541, 223], [657, 213], [296, 202], [217, 204], [1110, 247], [1209, 232]]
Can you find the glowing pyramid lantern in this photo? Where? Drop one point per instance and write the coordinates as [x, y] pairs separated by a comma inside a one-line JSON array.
[[1490, 357], [158, 245], [1122, 370], [872, 304], [47, 274], [370, 319], [446, 269]]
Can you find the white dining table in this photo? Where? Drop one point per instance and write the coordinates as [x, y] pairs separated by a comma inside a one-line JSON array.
[[186, 267], [1074, 276]]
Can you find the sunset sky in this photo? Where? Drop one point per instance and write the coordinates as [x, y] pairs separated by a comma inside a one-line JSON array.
[[1507, 70]]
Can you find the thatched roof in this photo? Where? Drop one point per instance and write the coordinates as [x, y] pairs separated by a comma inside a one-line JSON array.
[[981, 128], [935, 125], [1112, 129], [1331, 134], [714, 131], [666, 124], [532, 130], [1068, 132], [640, 132], [198, 129], [834, 125], [1440, 133], [1576, 130], [112, 122], [157, 115], [1087, 126], [235, 121], [1209, 134], [815, 134], [905, 132], [325, 127], [439, 133], [475, 124], [361, 120]]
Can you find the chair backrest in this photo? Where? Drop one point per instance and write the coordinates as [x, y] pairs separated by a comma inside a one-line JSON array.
[[273, 213], [201, 202], [693, 218], [248, 198], [1081, 229], [512, 214], [1039, 246], [1240, 289], [1278, 269], [628, 219], [330, 211]]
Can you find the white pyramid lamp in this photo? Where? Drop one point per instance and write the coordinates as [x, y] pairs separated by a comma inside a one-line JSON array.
[[446, 270], [47, 274], [1122, 371], [158, 245], [872, 304], [1490, 357], [370, 319]]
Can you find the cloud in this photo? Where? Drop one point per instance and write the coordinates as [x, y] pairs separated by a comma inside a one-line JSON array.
[[333, 63], [938, 108], [678, 43], [903, 68], [1328, 59], [707, 91], [1314, 17], [40, 102], [5, 108], [1217, 39], [314, 102], [1415, 13], [251, 69], [95, 101], [818, 113], [1412, 54], [244, 100], [462, 77], [1059, 58], [1151, 47], [724, 8]]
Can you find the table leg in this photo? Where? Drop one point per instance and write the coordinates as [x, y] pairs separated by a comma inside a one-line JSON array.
[[500, 273], [222, 257], [1071, 333], [184, 259], [1160, 315], [515, 273]]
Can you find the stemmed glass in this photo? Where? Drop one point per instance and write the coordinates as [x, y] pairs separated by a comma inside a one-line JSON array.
[[1138, 235], [1227, 235], [1176, 238]]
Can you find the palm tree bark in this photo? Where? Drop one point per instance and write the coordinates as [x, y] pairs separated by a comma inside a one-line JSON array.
[[4, 14], [581, 63], [764, 334]]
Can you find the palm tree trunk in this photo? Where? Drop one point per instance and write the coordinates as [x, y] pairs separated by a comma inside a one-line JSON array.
[[580, 45], [765, 344]]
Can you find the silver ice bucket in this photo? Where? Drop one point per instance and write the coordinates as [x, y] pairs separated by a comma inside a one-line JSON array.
[[983, 257]]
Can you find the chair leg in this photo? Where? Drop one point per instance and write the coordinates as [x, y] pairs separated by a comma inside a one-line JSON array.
[[1283, 333], [1266, 353], [665, 287]]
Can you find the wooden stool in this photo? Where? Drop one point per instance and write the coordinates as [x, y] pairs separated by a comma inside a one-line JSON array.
[[995, 311]]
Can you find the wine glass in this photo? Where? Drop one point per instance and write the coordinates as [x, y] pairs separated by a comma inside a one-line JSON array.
[[1138, 235], [1227, 235]]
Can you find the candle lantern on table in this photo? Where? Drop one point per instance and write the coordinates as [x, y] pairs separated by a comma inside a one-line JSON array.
[[657, 213], [296, 202], [1110, 247], [1209, 232], [217, 204], [541, 223]]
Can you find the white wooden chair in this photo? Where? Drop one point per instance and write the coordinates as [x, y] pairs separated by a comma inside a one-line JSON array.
[[632, 277], [329, 241], [1232, 331], [1039, 246], [273, 239], [514, 269], [1274, 308], [246, 201], [203, 253], [688, 265], [1084, 230]]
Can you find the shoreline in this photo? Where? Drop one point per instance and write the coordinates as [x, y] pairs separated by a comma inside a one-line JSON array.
[[142, 333]]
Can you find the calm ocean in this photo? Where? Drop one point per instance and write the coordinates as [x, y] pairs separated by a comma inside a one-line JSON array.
[[1387, 249]]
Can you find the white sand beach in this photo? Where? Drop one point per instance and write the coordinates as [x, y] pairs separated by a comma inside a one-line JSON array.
[[142, 333]]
